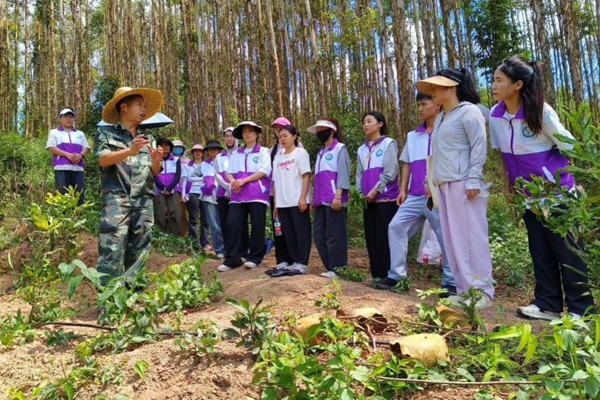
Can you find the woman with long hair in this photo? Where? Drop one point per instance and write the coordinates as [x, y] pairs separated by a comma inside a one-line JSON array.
[[458, 153], [377, 181], [526, 130]]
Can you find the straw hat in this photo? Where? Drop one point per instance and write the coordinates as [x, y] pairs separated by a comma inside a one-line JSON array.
[[425, 86], [153, 98]]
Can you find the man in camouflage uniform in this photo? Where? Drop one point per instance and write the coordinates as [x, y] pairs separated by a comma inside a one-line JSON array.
[[129, 161]]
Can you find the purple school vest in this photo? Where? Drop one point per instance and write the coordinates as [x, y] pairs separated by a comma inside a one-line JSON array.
[[326, 174]]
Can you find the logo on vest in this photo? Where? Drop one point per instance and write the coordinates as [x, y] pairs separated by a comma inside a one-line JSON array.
[[329, 157], [527, 132], [255, 159], [379, 153]]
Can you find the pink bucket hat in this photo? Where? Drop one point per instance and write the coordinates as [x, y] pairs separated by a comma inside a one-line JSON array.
[[197, 147], [281, 121]]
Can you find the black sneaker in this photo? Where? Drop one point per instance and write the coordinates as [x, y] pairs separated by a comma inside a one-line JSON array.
[[385, 283], [450, 290]]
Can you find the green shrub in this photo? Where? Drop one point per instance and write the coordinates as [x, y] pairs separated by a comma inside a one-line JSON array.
[[510, 257]]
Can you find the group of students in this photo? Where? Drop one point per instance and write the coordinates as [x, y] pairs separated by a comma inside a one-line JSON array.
[[442, 181], [196, 183]]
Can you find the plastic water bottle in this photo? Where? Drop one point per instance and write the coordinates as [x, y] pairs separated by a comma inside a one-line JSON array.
[[277, 226]]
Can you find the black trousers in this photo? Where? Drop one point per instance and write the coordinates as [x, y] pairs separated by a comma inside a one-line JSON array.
[[296, 231], [330, 231], [237, 227], [553, 262], [377, 217], [195, 209], [75, 179], [281, 249], [223, 204]]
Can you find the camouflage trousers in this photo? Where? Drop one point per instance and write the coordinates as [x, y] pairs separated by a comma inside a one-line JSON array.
[[124, 236]]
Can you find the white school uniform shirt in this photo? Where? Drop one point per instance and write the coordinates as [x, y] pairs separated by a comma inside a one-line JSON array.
[[209, 188], [287, 176], [60, 138], [527, 154], [192, 175], [221, 165]]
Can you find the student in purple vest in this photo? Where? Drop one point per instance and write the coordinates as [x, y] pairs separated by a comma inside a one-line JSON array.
[[291, 178], [249, 174], [282, 255], [209, 196], [68, 147], [167, 207], [413, 211], [192, 182], [330, 201], [224, 189], [377, 181], [458, 154], [526, 130]]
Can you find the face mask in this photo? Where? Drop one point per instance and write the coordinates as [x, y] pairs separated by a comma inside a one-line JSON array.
[[177, 151], [323, 135]]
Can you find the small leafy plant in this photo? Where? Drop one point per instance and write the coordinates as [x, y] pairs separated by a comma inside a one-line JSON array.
[[252, 322], [202, 341], [330, 299]]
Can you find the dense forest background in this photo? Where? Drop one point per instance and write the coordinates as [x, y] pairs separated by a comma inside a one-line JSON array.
[[220, 61]]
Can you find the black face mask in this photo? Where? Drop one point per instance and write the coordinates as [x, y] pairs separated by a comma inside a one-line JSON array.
[[324, 135]]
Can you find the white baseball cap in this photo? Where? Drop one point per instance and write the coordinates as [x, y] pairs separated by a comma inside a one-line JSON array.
[[65, 111], [323, 124]]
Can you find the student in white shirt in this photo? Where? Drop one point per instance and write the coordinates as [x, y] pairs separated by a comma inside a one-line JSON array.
[[291, 178], [192, 181], [68, 147], [249, 174], [209, 196], [224, 190], [282, 255], [525, 129]]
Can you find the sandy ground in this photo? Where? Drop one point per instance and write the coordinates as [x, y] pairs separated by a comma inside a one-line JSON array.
[[172, 375]]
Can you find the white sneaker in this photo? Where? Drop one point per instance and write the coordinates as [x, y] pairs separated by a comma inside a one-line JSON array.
[[484, 302], [223, 268], [220, 255], [574, 315], [329, 274], [249, 265], [534, 312], [456, 298], [243, 259], [283, 265], [300, 267]]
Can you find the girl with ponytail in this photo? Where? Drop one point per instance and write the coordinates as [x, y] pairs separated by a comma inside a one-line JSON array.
[[526, 131], [455, 174]]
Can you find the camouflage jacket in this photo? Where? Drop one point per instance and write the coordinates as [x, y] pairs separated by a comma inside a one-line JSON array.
[[131, 177]]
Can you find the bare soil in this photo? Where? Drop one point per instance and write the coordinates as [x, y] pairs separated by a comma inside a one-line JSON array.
[[172, 375]]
